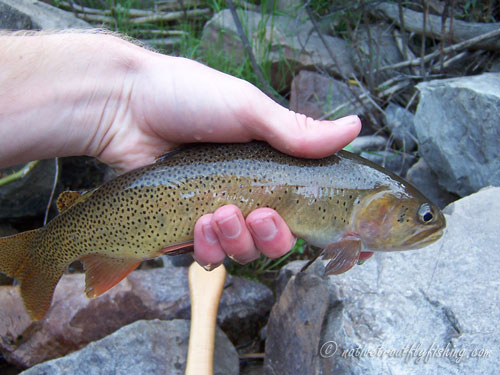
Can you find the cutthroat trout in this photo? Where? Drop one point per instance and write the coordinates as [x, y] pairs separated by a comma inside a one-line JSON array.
[[343, 203]]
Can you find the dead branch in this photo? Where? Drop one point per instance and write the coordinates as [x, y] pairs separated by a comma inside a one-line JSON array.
[[167, 5], [453, 48], [462, 31], [52, 191], [162, 42], [95, 18], [171, 16]]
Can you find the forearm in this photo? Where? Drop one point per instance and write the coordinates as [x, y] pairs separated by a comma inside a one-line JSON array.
[[59, 93]]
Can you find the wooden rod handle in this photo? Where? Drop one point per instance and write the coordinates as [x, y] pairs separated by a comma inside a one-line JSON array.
[[205, 289]]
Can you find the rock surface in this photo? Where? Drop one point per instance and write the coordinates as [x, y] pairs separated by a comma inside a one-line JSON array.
[[144, 347], [396, 162], [28, 196], [458, 130], [315, 95], [159, 293], [369, 143], [375, 48], [432, 310], [275, 39], [427, 182], [32, 14], [401, 124]]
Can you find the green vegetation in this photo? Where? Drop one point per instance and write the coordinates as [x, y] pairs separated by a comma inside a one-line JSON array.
[[265, 269]]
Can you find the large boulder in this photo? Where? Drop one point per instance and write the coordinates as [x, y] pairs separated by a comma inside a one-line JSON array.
[[144, 347], [458, 128], [427, 311], [275, 39], [159, 293], [425, 180], [32, 14]]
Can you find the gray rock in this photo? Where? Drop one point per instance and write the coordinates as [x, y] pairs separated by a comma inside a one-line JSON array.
[[28, 196], [397, 162], [12, 19], [429, 311], [427, 182], [369, 143], [400, 122], [298, 307], [144, 347], [495, 66], [457, 126], [274, 39], [315, 95], [37, 15]]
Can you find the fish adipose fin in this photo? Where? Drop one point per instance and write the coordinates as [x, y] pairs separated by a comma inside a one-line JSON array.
[[103, 272], [38, 279], [344, 254]]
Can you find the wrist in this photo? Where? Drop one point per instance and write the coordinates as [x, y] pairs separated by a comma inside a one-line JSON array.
[[60, 93]]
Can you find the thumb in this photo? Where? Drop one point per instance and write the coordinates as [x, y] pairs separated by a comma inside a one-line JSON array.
[[302, 136]]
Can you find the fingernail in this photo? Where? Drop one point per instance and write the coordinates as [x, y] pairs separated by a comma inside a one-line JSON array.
[[209, 234], [265, 228], [230, 226], [348, 120], [210, 267]]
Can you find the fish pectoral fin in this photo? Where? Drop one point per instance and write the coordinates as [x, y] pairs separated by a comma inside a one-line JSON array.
[[103, 272], [178, 249], [343, 255]]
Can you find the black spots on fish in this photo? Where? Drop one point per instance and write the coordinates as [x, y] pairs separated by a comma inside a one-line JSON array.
[[403, 214]]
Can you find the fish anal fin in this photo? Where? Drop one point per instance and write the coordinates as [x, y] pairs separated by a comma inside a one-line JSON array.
[[67, 199], [343, 255], [178, 249], [103, 272]]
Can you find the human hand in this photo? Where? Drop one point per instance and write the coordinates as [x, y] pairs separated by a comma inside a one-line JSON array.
[[178, 101], [126, 106]]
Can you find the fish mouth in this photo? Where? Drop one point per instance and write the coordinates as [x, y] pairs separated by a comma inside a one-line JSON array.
[[423, 239]]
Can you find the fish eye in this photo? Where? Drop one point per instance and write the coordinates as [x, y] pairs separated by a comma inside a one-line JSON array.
[[425, 214]]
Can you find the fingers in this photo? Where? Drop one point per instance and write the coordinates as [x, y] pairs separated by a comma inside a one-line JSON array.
[[226, 232], [270, 232]]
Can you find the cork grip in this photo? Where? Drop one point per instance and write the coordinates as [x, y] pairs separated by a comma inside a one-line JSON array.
[[205, 289]]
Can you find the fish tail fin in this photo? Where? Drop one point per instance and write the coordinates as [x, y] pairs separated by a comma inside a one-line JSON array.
[[38, 279]]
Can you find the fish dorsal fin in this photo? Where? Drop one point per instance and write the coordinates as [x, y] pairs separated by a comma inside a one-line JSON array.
[[344, 254], [168, 154], [103, 272], [68, 198]]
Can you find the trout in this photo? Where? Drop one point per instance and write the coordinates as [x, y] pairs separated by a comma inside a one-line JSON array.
[[343, 203]]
